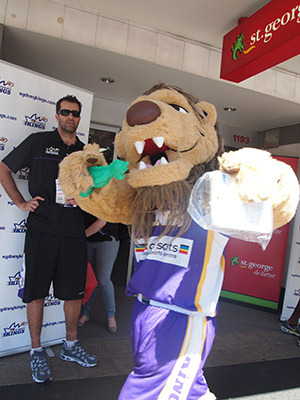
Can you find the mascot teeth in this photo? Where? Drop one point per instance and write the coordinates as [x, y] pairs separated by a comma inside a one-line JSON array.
[[139, 146], [142, 165], [161, 161], [159, 141], [150, 146]]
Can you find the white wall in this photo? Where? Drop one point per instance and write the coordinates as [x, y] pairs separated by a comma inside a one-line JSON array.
[[108, 112]]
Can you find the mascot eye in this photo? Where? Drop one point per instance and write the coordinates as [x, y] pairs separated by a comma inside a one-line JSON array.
[[178, 108], [203, 114]]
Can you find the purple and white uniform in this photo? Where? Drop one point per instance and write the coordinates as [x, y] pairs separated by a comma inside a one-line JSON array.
[[178, 282]]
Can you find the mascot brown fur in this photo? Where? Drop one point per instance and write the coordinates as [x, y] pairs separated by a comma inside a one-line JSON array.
[[170, 139]]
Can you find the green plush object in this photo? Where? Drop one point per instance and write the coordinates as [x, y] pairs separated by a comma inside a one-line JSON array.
[[102, 174]]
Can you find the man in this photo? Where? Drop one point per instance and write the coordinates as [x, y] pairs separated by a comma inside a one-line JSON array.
[[55, 243], [291, 325]]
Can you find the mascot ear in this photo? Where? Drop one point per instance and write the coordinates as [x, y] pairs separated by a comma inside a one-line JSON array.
[[119, 146], [209, 110]]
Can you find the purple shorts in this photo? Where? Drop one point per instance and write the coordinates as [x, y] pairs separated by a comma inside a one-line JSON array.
[[169, 351]]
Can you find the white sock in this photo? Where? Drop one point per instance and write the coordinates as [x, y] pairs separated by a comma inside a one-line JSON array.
[[70, 343], [35, 349]]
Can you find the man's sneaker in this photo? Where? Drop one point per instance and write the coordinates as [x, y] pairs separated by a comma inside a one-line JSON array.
[[78, 354], [292, 329], [39, 366]]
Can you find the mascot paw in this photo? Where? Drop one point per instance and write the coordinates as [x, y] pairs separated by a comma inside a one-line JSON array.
[[74, 177], [256, 172], [92, 155]]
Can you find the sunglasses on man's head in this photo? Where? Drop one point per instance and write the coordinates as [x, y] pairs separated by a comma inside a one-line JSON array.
[[65, 113]]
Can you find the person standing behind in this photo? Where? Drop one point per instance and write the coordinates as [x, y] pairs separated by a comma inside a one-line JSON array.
[[55, 245], [291, 325], [103, 245]]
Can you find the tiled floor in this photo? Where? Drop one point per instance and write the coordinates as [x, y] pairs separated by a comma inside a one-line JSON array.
[[250, 351]]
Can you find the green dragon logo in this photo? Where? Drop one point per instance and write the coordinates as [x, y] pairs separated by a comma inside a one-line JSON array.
[[234, 261], [238, 46]]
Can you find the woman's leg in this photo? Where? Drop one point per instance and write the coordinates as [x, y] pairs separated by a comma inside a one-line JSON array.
[[86, 309], [105, 254]]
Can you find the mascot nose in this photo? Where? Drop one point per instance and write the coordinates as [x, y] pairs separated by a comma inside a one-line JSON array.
[[142, 113]]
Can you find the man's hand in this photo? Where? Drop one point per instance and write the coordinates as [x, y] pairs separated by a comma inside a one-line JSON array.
[[30, 205], [13, 192]]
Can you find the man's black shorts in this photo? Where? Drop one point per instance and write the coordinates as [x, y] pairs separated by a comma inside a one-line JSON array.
[[54, 258]]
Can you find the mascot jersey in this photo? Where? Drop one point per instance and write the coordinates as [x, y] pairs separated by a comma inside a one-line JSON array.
[[170, 346], [185, 271]]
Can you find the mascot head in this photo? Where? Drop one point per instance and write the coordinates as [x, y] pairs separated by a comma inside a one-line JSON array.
[[170, 139], [165, 134]]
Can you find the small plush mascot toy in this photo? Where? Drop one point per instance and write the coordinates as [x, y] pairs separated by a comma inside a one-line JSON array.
[[168, 140]]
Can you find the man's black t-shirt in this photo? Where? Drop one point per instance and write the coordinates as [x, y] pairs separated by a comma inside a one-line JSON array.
[[42, 153]]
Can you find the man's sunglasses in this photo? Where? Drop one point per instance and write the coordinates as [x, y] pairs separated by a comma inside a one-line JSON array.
[[65, 113]]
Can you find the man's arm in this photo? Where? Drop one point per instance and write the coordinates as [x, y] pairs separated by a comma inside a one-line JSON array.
[[13, 192]]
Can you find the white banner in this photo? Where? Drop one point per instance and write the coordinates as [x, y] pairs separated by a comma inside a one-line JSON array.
[[292, 290], [27, 105]]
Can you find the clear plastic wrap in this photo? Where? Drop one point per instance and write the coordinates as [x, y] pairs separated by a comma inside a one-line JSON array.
[[216, 205]]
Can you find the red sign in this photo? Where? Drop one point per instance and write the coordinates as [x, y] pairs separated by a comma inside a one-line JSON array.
[[267, 38], [251, 272]]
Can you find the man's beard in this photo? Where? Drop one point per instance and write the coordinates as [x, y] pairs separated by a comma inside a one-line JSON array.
[[68, 128]]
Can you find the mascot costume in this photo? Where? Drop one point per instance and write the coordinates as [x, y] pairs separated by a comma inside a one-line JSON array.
[[167, 141]]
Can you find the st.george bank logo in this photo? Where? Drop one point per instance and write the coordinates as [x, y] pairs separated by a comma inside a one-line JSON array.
[[6, 86], [235, 262], [264, 35], [255, 267], [35, 121]]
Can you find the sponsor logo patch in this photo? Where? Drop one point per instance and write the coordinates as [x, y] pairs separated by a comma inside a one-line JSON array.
[[165, 249]]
